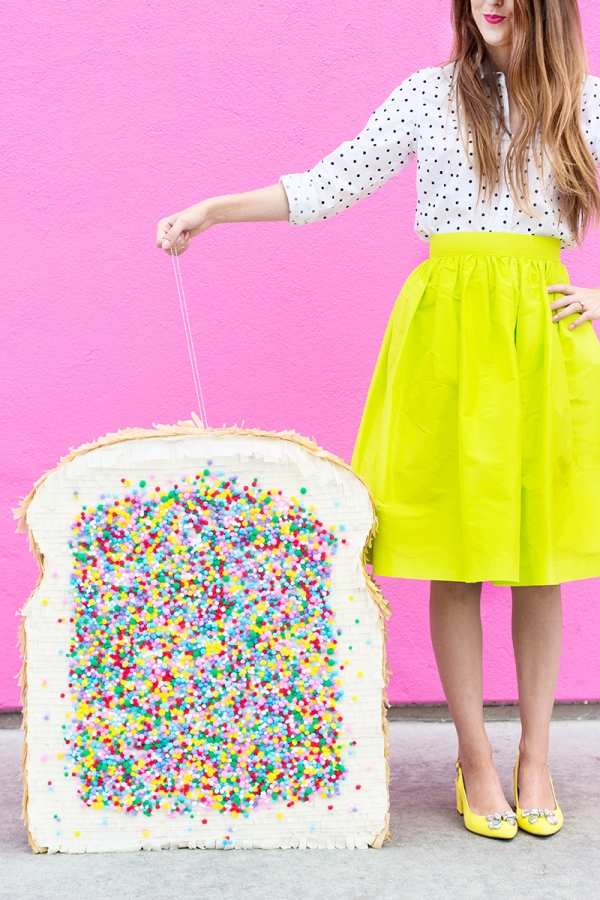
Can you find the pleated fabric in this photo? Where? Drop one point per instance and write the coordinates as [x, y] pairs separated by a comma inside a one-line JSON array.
[[480, 438]]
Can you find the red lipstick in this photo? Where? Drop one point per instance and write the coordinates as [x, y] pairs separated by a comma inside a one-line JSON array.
[[494, 20]]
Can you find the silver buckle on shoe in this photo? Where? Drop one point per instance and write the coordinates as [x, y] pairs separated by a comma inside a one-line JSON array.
[[495, 820], [534, 814]]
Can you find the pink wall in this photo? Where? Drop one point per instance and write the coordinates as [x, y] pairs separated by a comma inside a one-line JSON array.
[[123, 112]]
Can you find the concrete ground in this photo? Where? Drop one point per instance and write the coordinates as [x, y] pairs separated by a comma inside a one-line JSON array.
[[431, 856]]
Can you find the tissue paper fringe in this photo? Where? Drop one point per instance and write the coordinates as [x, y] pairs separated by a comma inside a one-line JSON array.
[[289, 842], [194, 427]]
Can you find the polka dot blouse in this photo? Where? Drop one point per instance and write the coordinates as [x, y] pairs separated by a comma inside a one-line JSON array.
[[419, 120]]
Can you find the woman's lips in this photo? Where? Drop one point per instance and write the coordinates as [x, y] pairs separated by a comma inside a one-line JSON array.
[[494, 20]]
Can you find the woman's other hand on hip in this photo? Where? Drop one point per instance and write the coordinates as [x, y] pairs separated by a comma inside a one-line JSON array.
[[585, 301]]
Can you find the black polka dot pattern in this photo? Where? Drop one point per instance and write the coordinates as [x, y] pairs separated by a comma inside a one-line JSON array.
[[419, 120]]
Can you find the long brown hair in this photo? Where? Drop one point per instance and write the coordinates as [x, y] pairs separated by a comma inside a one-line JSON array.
[[545, 77]]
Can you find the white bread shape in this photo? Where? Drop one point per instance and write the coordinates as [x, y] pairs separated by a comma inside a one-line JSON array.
[[57, 821]]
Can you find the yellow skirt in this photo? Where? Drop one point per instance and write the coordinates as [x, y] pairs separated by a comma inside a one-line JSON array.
[[480, 437]]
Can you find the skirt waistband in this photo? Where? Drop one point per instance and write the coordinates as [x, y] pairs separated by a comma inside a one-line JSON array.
[[495, 243]]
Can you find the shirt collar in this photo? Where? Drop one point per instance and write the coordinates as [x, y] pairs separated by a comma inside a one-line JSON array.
[[480, 70]]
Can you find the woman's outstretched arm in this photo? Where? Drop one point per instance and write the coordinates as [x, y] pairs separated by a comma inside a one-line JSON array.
[[269, 204], [386, 144]]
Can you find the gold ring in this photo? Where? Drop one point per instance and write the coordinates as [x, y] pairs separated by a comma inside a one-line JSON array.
[[582, 306]]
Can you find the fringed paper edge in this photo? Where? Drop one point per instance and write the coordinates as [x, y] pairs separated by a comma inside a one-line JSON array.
[[183, 429], [288, 842]]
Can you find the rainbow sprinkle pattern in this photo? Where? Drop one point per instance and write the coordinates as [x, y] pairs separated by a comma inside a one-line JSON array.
[[203, 660]]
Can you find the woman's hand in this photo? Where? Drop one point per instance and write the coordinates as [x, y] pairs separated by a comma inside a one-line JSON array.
[[175, 232], [268, 204], [585, 301]]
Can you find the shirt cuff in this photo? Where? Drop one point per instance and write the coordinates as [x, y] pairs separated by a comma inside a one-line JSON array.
[[302, 198]]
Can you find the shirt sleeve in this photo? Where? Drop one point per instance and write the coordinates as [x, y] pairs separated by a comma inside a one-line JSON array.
[[590, 115], [387, 144]]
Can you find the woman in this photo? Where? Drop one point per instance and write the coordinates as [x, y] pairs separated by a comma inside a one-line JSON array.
[[481, 433]]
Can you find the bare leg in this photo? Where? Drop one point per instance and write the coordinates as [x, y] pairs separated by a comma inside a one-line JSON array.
[[537, 641], [455, 620]]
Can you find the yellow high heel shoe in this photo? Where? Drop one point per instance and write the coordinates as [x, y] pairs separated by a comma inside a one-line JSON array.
[[499, 825], [538, 821]]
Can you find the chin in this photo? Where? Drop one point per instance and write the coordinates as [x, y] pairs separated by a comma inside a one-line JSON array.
[[495, 38]]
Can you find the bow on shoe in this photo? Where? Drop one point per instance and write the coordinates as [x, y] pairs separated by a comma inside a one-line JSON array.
[[534, 814], [495, 821]]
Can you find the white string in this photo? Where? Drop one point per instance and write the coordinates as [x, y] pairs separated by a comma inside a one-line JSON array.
[[189, 338]]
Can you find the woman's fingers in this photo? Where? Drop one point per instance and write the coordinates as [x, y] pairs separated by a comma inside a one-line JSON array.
[[567, 289], [168, 230], [568, 311], [569, 292], [584, 317], [175, 232], [180, 245], [172, 235], [562, 289], [582, 302], [161, 230]]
